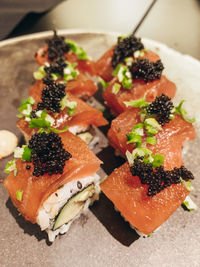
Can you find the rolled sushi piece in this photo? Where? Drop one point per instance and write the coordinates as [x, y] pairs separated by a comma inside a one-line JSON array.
[[154, 182], [126, 49], [57, 110], [53, 180], [132, 72], [76, 82], [159, 126], [59, 46], [129, 195], [116, 94]]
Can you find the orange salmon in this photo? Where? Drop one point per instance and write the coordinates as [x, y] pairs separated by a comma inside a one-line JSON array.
[[36, 190], [169, 141], [84, 116], [104, 67], [130, 198], [127, 193], [152, 89], [84, 66], [82, 87]]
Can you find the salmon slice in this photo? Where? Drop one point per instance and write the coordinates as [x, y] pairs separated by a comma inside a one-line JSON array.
[[84, 66], [36, 90], [141, 211], [84, 116], [169, 141], [104, 67], [152, 89], [127, 193], [36, 190], [82, 87]]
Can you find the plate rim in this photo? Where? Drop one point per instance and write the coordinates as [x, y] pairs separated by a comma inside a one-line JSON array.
[[44, 34]]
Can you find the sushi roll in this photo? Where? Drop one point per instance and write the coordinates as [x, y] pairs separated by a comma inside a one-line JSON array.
[[154, 182], [127, 47], [54, 108], [52, 180], [129, 195], [129, 71], [168, 128], [76, 82], [58, 47]]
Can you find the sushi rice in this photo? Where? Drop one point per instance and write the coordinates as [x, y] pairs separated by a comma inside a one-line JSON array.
[[51, 208]]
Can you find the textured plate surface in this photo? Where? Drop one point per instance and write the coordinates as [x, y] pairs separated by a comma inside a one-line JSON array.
[[101, 238]]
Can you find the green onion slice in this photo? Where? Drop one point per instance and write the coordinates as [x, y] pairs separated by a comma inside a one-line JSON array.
[[11, 166], [103, 83], [189, 204], [138, 103], [19, 194], [116, 87], [181, 111], [78, 50]]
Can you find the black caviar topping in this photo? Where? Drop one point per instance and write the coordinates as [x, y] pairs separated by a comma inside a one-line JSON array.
[[33, 114], [48, 80], [146, 70], [161, 107], [125, 48], [48, 154], [28, 167], [56, 67], [51, 97], [158, 179], [57, 47]]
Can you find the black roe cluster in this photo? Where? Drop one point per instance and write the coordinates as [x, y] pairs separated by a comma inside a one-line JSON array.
[[51, 97], [161, 107], [57, 67], [146, 70], [48, 154], [57, 47], [158, 179], [125, 48]]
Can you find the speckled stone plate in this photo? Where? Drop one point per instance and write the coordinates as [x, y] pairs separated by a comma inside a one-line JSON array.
[[101, 237]]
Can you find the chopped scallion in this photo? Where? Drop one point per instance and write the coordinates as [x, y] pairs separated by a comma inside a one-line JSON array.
[[10, 166], [116, 88], [59, 131], [138, 103], [78, 50], [40, 73], [151, 140], [181, 111], [129, 158], [189, 204], [18, 152], [103, 83], [19, 194], [26, 156]]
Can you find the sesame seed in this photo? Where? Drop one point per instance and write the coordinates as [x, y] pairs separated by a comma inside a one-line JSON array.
[[79, 185]]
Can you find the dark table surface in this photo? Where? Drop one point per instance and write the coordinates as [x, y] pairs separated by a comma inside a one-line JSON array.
[[173, 22]]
